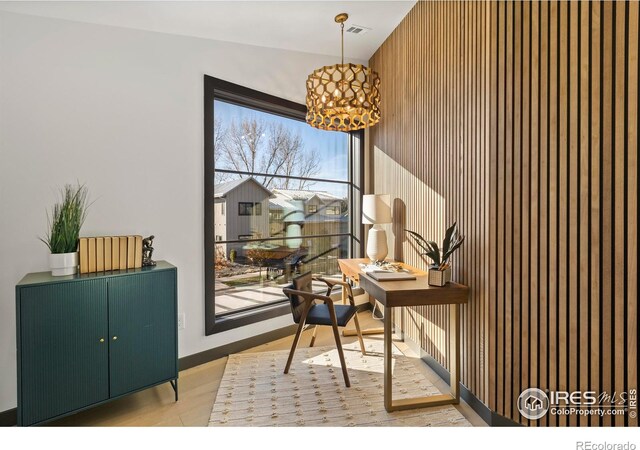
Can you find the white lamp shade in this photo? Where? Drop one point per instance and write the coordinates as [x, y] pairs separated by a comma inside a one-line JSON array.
[[376, 209]]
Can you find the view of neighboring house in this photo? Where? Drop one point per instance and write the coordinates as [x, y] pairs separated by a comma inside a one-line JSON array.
[[245, 209], [324, 213], [241, 211]]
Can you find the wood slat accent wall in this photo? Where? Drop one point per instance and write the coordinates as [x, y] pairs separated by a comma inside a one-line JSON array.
[[519, 121]]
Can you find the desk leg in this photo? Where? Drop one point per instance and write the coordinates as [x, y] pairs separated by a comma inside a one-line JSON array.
[[454, 351], [453, 398], [388, 358]]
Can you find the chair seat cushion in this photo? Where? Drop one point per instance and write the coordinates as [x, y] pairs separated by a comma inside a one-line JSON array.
[[319, 314]]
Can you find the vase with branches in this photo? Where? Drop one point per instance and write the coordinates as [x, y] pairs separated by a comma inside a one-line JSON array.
[[64, 222]]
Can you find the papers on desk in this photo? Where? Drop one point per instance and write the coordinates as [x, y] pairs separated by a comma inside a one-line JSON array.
[[387, 267], [391, 276], [388, 272]]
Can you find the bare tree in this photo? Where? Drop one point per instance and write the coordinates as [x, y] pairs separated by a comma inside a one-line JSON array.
[[240, 147], [308, 167], [271, 149], [219, 137], [291, 158]]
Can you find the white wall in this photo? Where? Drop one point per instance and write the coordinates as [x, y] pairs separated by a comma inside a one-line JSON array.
[[122, 111]]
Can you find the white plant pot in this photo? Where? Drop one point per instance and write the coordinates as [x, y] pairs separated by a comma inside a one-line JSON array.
[[439, 277], [62, 264]]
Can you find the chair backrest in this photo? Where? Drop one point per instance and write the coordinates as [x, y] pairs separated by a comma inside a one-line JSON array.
[[300, 283]]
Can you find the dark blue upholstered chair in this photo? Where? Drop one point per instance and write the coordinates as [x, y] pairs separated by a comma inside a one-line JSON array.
[[308, 308]]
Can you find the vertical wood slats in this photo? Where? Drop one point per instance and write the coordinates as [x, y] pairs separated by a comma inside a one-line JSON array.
[[501, 205], [537, 314], [519, 121], [606, 305], [525, 30], [543, 209], [633, 123], [595, 203], [619, 193], [584, 68], [551, 268]]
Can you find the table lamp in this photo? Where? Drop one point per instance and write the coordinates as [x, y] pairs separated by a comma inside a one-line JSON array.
[[376, 209]]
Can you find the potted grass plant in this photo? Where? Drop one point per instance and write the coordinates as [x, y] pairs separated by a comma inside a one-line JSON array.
[[64, 222], [440, 268]]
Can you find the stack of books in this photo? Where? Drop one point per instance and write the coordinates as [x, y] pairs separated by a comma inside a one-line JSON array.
[[103, 253]]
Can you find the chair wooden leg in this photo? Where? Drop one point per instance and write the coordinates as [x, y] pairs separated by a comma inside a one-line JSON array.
[[296, 338], [293, 346], [336, 335], [355, 319], [313, 336]]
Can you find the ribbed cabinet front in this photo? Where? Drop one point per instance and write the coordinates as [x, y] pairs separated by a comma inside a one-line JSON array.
[[64, 348], [141, 310], [86, 339]]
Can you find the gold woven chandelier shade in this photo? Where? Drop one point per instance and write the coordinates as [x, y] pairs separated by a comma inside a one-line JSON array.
[[343, 97]]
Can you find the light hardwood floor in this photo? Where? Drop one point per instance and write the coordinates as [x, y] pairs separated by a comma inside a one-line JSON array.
[[198, 388]]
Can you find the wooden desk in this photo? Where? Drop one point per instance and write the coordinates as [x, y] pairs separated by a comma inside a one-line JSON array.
[[392, 294], [350, 269]]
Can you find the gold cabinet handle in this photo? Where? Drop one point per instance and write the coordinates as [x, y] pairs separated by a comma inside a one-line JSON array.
[[115, 338], [101, 339]]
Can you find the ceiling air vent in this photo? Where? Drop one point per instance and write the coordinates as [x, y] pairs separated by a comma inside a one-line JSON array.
[[357, 29]]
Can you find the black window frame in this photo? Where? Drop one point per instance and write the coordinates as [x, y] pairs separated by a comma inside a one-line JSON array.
[[245, 208], [217, 89]]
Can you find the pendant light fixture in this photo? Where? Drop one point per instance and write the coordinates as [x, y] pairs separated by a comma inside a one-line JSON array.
[[343, 97]]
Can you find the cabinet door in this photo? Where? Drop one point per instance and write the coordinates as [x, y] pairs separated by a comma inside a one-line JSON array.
[[142, 330], [64, 365]]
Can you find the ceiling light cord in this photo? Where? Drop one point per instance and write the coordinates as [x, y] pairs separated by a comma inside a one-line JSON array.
[[342, 35]]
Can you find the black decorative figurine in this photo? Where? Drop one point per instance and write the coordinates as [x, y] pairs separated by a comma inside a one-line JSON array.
[[147, 251]]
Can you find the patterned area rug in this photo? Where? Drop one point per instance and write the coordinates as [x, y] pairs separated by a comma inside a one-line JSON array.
[[255, 392]]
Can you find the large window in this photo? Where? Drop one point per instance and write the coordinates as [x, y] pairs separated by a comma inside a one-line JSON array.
[[291, 194]]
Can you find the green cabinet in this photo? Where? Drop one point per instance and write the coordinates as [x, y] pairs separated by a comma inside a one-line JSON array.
[[86, 339]]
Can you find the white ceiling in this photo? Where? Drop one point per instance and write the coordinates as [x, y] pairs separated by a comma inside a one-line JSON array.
[[304, 25]]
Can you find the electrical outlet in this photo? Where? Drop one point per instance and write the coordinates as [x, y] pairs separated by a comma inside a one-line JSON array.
[[181, 321]]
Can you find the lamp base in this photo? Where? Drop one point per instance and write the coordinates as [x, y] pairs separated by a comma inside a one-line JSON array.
[[377, 244]]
